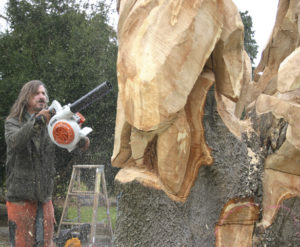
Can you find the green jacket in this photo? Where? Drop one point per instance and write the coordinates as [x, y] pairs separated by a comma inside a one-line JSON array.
[[30, 160]]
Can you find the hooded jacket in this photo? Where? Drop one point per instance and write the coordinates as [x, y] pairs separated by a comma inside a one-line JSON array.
[[30, 160]]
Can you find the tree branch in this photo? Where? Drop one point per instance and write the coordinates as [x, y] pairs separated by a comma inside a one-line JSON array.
[[4, 17]]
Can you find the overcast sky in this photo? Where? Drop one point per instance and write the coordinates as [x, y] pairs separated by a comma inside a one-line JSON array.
[[263, 13]]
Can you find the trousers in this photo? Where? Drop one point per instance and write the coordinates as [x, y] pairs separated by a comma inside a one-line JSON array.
[[31, 223]]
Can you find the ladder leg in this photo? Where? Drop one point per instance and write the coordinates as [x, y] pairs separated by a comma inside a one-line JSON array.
[[95, 206], [78, 197], [107, 205], [67, 200]]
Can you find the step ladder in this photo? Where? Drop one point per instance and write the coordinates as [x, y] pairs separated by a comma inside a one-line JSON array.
[[75, 196]]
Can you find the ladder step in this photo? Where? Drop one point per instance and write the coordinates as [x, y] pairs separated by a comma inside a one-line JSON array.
[[101, 228], [81, 193], [72, 223]]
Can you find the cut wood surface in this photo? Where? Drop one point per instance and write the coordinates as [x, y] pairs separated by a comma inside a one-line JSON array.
[[236, 223], [162, 51], [282, 42], [192, 126], [165, 68], [278, 186]]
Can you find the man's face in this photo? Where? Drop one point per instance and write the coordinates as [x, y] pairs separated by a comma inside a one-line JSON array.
[[37, 101]]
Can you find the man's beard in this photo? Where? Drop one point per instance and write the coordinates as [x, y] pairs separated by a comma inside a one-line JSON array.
[[38, 108]]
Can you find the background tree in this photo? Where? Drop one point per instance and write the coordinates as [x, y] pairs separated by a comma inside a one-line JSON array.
[[249, 41], [72, 49]]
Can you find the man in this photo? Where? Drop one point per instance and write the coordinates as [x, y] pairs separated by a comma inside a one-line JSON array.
[[30, 169]]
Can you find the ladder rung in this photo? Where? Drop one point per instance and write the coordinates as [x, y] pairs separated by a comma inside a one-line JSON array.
[[72, 223], [89, 166], [84, 193], [82, 223]]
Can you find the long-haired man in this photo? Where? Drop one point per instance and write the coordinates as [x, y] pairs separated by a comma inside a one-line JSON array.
[[30, 169]]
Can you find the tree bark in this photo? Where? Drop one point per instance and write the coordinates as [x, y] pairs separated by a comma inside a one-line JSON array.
[[148, 217], [193, 173]]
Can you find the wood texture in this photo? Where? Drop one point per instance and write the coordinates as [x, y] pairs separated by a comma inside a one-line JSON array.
[[278, 186], [282, 42], [165, 66], [280, 79], [161, 54], [236, 223], [172, 55]]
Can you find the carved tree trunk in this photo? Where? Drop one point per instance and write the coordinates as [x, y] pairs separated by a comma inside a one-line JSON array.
[[192, 172], [148, 217]]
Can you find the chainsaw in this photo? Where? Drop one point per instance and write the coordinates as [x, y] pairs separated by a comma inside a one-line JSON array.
[[64, 127]]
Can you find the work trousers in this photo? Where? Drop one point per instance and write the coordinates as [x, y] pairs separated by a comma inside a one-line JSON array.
[[31, 224]]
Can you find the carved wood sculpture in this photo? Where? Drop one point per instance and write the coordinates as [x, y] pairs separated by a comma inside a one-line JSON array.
[[171, 53], [278, 92], [166, 64], [282, 170], [282, 42]]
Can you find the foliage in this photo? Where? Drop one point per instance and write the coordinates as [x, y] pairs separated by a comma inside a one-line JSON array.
[[72, 49], [249, 41]]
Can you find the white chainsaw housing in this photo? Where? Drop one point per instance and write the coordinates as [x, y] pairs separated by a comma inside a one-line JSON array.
[[64, 129]]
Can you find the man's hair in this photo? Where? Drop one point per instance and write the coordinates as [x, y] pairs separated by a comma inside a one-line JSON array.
[[27, 91]]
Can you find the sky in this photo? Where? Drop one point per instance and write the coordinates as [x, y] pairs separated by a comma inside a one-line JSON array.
[[263, 13]]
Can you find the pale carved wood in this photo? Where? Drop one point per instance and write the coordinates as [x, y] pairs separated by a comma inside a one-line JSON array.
[[199, 153], [242, 103], [288, 73], [166, 66], [162, 52], [228, 56], [173, 148], [164, 46], [236, 223], [282, 43], [278, 186], [181, 143], [226, 109], [122, 150], [282, 171], [290, 111]]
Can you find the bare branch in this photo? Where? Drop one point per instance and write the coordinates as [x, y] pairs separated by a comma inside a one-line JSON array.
[[4, 17]]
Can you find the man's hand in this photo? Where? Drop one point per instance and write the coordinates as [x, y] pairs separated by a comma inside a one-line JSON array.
[[83, 144], [43, 116]]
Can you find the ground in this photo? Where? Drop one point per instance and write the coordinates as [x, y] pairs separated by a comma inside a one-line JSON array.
[[3, 232]]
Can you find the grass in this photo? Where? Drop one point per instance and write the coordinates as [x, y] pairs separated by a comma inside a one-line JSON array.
[[86, 213]]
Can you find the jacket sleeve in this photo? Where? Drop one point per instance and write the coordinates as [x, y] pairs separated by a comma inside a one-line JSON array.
[[17, 136]]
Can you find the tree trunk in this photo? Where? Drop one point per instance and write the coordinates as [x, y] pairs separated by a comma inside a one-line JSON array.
[[148, 217], [193, 173]]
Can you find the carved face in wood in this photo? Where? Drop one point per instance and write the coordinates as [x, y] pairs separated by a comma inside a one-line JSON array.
[[164, 73]]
